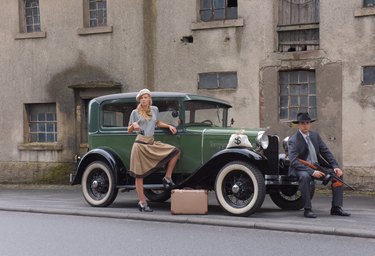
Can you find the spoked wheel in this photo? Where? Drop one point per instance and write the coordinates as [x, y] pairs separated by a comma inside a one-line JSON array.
[[98, 184], [157, 195], [289, 197], [240, 188]]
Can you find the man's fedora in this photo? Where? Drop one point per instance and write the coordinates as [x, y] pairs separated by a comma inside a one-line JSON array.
[[303, 117]]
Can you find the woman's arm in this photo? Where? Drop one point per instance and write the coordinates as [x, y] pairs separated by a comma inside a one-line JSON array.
[[161, 124]]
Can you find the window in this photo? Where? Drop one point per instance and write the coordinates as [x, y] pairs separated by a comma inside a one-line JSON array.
[[31, 17], [298, 25], [217, 80], [116, 114], [97, 13], [218, 10], [297, 94], [368, 77], [368, 3], [42, 122]]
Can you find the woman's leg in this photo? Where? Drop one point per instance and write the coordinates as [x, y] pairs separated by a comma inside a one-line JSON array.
[[171, 165], [139, 188]]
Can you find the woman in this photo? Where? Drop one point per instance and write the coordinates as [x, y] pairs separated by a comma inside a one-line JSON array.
[[147, 154]]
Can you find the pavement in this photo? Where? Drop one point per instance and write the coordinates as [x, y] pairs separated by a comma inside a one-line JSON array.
[[68, 200]]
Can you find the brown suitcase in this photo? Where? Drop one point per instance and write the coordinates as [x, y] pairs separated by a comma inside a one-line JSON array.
[[189, 201]]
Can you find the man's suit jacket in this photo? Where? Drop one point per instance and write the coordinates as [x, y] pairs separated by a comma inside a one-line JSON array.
[[297, 148]]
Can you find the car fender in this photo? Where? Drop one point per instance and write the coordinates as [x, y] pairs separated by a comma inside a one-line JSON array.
[[206, 174], [99, 154]]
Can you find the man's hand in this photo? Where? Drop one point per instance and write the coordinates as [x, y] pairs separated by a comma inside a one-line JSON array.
[[338, 172], [318, 174]]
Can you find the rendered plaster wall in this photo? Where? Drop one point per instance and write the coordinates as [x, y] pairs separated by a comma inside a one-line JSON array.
[[40, 70], [177, 63], [353, 44]]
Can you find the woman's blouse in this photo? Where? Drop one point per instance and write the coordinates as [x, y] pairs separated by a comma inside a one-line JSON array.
[[147, 126]]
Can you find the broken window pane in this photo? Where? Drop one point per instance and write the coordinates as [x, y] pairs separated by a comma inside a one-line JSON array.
[[218, 9]]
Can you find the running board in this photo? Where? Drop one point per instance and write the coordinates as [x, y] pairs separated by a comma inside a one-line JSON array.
[[145, 186]]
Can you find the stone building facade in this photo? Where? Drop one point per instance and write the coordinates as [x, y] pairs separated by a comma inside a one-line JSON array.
[[269, 58]]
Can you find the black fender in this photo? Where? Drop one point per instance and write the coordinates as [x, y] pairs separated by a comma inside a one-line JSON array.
[[100, 154], [205, 176]]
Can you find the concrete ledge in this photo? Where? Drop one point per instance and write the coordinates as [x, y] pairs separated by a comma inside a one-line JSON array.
[[364, 11], [203, 221], [217, 24], [31, 35], [94, 30]]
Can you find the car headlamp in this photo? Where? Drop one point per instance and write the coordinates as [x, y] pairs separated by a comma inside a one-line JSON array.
[[262, 140]]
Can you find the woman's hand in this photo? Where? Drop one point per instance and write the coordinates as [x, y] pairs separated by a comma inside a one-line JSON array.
[[136, 127], [172, 129]]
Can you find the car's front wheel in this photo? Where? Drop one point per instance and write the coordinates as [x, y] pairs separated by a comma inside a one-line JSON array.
[[98, 184], [240, 188]]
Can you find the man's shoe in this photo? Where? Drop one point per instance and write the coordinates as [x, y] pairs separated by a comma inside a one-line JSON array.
[[309, 213], [339, 211]]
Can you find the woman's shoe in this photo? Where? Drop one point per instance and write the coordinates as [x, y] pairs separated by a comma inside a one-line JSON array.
[[144, 207], [168, 183]]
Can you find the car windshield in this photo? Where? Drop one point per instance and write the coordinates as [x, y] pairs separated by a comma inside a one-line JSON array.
[[205, 113]]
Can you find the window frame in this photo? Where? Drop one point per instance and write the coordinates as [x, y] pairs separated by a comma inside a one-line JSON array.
[[38, 109], [370, 83], [211, 9], [23, 33], [219, 78], [366, 3], [311, 93], [291, 25]]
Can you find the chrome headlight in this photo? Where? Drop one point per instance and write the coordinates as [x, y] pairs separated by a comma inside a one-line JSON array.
[[285, 144], [262, 140]]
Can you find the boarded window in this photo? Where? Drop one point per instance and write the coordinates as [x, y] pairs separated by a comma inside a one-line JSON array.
[[42, 122], [218, 9], [368, 3], [298, 25], [297, 94], [97, 13], [217, 80], [32, 15], [368, 75]]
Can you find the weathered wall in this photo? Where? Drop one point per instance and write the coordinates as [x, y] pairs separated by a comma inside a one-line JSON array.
[[145, 49]]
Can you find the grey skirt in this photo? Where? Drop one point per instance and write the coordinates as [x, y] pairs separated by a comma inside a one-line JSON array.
[[148, 155]]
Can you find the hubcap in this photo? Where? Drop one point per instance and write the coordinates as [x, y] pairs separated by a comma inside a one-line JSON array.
[[95, 184], [235, 189]]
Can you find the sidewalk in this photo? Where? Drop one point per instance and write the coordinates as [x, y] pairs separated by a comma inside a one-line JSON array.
[[68, 200]]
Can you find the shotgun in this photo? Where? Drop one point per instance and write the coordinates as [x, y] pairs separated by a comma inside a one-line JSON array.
[[329, 174]]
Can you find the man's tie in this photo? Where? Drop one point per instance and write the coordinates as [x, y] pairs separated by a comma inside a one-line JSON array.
[[312, 152]]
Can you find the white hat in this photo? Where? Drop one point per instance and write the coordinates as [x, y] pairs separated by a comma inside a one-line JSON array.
[[141, 92]]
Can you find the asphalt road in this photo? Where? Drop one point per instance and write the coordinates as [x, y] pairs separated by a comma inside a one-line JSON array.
[[44, 235], [66, 200]]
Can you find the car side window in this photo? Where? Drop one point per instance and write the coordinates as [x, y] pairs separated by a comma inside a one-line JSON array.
[[116, 114], [168, 111]]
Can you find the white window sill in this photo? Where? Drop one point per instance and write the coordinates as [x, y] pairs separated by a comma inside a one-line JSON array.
[[94, 30], [37, 146], [364, 11], [217, 24], [31, 35]]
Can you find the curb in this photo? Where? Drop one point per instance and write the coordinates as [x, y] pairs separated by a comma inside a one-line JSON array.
[[189, 219]]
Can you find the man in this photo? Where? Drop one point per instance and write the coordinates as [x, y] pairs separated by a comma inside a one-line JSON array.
[[307, 145]]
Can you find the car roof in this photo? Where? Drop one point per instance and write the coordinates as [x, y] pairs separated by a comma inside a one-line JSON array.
[[158, 94]]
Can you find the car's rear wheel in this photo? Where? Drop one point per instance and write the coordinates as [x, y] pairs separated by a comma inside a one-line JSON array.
[[289, 197], [240, 188], [98, 184], [157, 195]]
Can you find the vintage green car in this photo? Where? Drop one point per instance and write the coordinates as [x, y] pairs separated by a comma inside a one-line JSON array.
[[213, 157]]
